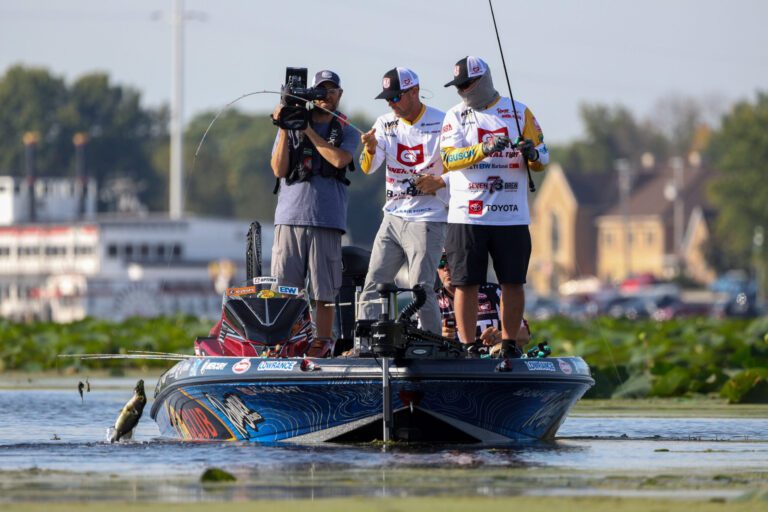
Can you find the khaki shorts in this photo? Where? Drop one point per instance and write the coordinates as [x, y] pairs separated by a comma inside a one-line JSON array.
[[301, 250]]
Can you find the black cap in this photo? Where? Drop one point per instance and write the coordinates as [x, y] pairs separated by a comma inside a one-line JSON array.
[[466, 69], [326, 75], [395, 81]]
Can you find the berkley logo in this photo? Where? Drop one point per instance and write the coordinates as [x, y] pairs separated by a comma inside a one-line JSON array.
[[456, 70], [241, 366], [484, 135], [475, 207], [386, 82], [410, 156]]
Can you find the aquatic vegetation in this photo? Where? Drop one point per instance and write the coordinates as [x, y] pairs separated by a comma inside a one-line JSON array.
[[629, 359]]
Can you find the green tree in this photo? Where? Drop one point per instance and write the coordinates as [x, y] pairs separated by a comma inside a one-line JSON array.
[[121, 134], [612, 133], [740, 151], [31, 100]]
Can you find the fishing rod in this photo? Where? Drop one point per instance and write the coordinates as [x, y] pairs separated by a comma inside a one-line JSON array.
[[531, 184], [310, 105]]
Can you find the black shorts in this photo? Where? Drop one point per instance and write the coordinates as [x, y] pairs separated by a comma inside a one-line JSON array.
[[468, 247]]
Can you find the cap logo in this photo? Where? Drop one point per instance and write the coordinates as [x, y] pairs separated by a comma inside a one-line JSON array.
[[326, 74], [406, 82], [386, 82], [475, 69], [456, 70]]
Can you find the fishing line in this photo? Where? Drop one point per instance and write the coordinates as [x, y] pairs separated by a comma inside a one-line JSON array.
[[308, 102], [531, 184]]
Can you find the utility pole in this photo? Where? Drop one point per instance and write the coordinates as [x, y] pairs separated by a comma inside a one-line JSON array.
[[625, 185], [678, 210], [176, 182]]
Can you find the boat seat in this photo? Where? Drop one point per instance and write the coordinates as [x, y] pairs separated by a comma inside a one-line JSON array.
[[354, 263]]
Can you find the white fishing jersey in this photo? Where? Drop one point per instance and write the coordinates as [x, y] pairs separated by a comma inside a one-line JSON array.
[[489, 190], [408, 151]]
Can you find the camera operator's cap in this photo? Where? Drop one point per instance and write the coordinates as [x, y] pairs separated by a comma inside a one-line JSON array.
[[395, 81], [466, 69], [326, 75]]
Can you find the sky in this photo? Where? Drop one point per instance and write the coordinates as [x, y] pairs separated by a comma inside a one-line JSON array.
[[560, 53]]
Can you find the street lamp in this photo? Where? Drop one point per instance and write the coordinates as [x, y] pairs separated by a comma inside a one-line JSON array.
[[757, 262], [625, 185], [673, 192]]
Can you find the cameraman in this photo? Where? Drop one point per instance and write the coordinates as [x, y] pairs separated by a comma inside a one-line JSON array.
[[311, 213]]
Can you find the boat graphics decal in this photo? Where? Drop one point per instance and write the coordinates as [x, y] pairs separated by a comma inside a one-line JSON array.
[[551, 411], [238, 414], [193, 420], [540, 366], [565, 367], [257, 390], [280, 366]]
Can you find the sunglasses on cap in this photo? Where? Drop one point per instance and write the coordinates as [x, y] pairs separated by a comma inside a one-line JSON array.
[[443, 263]]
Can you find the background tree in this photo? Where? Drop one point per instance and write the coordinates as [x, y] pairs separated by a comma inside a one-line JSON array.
[[121, 134], [740, 151], [611, 133], [31, 100]]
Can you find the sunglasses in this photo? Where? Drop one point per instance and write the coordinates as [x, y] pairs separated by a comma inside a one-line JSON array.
[[443, 263], [397, 97]]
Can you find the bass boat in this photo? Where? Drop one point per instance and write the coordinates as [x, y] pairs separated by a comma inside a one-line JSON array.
[[261, 376]]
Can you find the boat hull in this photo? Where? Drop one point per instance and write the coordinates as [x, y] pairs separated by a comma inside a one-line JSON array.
[[271, 400]]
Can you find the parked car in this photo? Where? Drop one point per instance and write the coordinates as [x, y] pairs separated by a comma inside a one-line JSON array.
[[630, 306]]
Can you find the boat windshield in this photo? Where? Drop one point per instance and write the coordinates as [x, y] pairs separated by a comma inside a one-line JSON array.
[[267, 287]]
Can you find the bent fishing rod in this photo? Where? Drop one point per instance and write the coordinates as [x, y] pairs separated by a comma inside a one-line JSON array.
[[308, 103], [531, 184]]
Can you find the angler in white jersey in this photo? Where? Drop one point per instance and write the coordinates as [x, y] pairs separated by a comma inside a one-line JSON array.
[[488, 209], [407, 142]]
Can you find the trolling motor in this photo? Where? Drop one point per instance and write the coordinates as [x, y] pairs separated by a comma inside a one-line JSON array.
[[386, 333], [400, 337]]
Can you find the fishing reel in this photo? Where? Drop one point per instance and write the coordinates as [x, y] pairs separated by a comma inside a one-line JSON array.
[[297, 99]]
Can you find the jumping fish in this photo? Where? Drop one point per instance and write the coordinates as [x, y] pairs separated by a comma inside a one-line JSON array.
[[129, 415], [80, 387]]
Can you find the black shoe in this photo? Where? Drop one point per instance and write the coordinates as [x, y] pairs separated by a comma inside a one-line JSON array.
[[510, 350]]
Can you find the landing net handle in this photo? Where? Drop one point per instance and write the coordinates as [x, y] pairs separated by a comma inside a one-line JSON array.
[[253, 251]]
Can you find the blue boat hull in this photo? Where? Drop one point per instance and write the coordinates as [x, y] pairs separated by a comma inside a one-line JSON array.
[[267, 400]]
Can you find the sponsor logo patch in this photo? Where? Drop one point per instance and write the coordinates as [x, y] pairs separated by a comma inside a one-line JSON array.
[[386, 82], [264, 280], [410, 156], [475, 207], [212, 365], [241, 366], [280, 366], [290, 290], [540, 366], [484, 135], [565, 367]]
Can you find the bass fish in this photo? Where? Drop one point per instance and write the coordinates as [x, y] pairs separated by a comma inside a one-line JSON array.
[[129, 415]]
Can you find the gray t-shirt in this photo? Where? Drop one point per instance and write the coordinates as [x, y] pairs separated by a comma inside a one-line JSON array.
[[320, 202]]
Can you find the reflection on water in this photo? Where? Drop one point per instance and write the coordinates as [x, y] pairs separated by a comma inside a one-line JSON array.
[[30, 419]]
